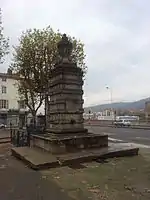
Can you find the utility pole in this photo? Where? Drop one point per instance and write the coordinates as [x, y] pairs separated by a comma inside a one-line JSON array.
[[111, 100]]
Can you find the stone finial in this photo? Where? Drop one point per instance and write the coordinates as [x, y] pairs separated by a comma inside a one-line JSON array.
[[64, 48]]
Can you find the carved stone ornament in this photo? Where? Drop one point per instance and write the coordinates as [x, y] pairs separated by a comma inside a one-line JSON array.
[[64, 48]]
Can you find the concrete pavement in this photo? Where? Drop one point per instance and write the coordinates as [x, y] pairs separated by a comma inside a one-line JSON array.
[[139, 136], [19, 182]]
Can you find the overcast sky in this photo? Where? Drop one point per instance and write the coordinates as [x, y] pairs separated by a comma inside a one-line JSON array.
[[116, 34]]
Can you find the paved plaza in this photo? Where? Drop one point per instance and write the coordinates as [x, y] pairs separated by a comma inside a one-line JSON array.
[[18, 182]]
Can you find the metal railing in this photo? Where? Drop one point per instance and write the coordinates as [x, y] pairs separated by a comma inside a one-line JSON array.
[[19, 137], [22, 136]]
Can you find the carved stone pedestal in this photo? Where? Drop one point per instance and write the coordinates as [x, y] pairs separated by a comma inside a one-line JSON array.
[[61, 144], [65, 109]]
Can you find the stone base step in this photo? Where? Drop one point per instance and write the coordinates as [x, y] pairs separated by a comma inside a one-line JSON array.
[[69, 143], [5, 140], [37, 159]]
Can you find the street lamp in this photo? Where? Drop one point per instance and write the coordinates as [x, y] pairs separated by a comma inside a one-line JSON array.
[[110, 90]]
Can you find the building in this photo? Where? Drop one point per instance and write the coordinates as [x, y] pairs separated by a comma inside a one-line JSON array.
[[106, 114], [12, 109]]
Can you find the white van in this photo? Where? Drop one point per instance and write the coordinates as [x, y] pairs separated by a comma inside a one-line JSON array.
[[122, 123]]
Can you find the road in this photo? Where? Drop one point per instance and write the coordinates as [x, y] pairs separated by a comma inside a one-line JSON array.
[[139, 136]]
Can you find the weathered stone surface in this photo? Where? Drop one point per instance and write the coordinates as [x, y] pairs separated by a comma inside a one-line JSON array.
[[57, 144], [65, 109], [37, 160]]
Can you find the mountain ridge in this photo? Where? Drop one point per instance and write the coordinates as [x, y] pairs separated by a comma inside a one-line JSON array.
[[135, 105]]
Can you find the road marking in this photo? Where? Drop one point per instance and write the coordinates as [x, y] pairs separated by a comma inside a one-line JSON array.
[[115, 140], [109, 133], [130, 143], [141, 138]]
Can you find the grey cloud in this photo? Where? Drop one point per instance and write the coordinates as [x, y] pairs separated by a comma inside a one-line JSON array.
[[115, 33]]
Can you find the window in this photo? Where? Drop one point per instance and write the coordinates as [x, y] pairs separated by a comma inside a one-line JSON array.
[[22, 104], [3, 103], [108, 113], [3, 89], [4, 79]]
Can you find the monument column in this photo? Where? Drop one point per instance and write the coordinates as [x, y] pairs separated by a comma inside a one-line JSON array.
[[65, 114]]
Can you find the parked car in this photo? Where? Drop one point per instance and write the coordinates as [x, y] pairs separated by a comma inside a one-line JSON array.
[[122, 123], [2, 126]]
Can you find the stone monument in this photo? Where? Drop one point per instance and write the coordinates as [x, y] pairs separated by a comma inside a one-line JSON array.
[[65, 124], [66, 141], [65, 114]]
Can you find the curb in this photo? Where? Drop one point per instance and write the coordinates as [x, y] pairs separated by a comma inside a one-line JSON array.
[[131, 127]]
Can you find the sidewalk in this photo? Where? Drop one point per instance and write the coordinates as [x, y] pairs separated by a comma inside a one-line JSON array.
[[17, 182]]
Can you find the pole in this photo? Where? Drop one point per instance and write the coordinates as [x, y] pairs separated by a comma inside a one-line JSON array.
[[110, 89], [111, 100]]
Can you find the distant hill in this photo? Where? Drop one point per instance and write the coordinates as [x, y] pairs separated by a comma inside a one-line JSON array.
[[137, 105]]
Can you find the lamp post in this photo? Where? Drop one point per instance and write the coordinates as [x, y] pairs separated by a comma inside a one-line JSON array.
[[110, 90]]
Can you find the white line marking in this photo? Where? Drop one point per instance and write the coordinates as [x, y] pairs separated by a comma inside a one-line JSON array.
[[142, 138], [140, 145], [115, 140], [109, 133], [130, 143]]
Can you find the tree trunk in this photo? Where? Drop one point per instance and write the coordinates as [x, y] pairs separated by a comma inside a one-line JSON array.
[[46, 107], [34, 118]]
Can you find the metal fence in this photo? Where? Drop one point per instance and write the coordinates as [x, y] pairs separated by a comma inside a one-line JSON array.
[[22, 137], [19, 138]]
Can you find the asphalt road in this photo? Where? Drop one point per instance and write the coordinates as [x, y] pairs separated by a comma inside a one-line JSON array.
[[138, 136]]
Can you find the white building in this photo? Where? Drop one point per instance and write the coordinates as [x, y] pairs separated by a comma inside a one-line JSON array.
[[106, 114], [11, 107]]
